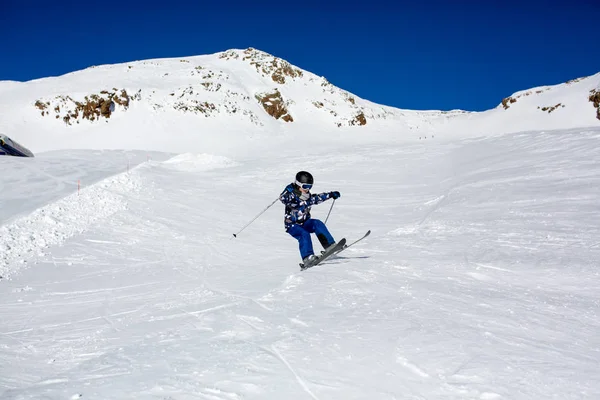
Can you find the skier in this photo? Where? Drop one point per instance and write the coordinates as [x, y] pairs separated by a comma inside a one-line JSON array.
[[298, 223]]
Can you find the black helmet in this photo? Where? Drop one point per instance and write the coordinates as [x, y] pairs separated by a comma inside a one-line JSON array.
[[304, 177]]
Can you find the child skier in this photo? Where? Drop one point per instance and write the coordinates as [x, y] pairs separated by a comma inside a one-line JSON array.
[[298, 223]]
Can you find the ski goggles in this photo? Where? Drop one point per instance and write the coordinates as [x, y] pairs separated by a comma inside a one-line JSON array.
[[305, 186]]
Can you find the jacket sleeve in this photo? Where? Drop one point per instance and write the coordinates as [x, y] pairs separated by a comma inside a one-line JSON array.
[[288, 198], [319, 198], [295, 208]]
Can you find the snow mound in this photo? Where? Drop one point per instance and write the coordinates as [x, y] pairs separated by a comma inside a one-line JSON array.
[[199, 162]]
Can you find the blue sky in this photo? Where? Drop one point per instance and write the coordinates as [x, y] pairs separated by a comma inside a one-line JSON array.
[[416, 55]]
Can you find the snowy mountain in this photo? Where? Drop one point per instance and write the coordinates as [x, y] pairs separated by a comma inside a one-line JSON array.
[[243, 93], [120, 277]]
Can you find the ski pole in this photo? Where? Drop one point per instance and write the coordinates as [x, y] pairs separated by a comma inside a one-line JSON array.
[[330, 208], [261, 213]]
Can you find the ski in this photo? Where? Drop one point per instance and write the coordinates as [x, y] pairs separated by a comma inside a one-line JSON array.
[[339, 246], [353, 243]]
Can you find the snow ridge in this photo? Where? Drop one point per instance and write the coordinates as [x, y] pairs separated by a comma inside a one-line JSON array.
[[27, 237]]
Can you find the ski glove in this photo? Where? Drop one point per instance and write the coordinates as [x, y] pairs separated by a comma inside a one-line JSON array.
[[335, 195]]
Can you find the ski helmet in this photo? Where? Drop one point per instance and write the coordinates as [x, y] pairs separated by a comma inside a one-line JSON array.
[[304, 177]]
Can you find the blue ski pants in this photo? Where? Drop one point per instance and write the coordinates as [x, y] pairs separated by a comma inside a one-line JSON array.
[[302, 234]]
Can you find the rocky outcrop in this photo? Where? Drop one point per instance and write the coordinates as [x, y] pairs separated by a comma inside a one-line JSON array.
[[268, 65], [595, 99], [274, 105], [92, 107]]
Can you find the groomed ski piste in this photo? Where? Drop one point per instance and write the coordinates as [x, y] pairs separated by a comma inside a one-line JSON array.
[[479, 281], [121, 277]]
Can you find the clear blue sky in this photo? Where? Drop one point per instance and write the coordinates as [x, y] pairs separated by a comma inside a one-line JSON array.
[[417, 55]]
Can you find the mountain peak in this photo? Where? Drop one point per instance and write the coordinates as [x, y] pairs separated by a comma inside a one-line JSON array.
[[247, 90], [247, 82], [265, 64]]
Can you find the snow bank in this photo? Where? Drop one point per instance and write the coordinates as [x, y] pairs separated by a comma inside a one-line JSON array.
[[27, 237]]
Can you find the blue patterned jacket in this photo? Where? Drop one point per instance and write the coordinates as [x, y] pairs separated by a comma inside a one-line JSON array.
[[297, 211]]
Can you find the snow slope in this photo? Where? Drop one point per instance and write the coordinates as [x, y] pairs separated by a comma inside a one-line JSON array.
[[479, 281]]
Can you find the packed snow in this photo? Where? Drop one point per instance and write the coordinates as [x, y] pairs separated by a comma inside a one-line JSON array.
[[121, 277]]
